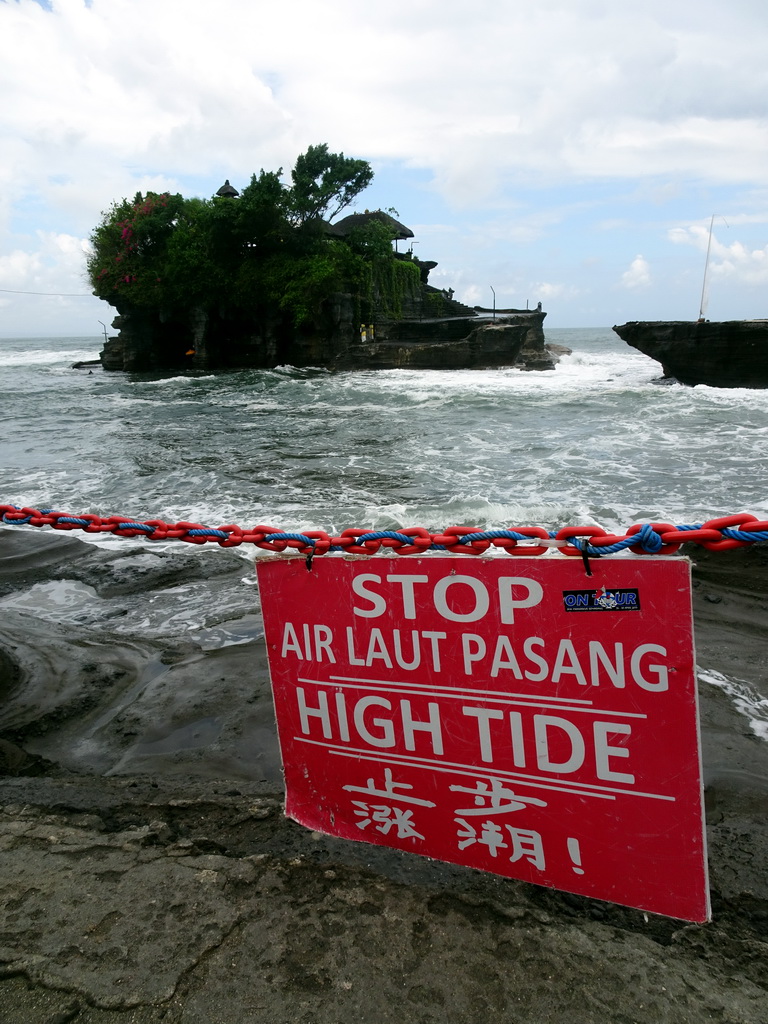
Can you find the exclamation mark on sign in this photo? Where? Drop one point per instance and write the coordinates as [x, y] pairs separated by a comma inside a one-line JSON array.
[[575, 851]]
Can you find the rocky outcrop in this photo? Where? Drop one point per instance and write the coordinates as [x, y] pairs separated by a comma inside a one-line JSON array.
[[150, 875], [458, 338], [460, 342], [443, 345], [726, 354], [536, 353]]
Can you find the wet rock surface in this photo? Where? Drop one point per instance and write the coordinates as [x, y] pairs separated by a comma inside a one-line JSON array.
[[726, 354], [148, 873]]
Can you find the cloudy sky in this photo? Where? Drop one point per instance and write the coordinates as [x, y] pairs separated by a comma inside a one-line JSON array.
[[573, 152]]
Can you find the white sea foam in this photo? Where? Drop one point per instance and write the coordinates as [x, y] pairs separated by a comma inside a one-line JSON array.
[[746, 699], [45, 358], [593, 441], [170, 383]]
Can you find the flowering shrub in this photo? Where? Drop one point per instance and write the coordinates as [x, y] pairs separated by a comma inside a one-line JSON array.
[[129, 250]]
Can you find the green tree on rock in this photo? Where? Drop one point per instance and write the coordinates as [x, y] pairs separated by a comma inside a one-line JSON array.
[[263, 257], [325, 183]]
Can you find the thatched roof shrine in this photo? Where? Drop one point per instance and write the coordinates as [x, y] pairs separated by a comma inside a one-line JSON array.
[[358, 220]]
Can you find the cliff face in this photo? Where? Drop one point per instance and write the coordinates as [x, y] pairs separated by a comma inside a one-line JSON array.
[[336, 339], [450, 344], [727, 354]]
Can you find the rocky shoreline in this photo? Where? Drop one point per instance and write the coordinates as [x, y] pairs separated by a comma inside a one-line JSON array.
[[721, 354], [148, 873], [458, 339]]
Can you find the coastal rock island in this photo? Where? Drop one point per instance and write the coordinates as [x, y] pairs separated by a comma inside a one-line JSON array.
[[266, 277], [463, 339], [725, 354]]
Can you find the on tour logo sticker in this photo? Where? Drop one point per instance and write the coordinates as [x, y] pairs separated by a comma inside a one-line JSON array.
[[602, 600]]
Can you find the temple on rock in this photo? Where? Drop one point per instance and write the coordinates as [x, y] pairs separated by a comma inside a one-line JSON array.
[[315, 293]]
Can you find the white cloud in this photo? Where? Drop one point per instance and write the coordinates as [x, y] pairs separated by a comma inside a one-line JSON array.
[[734, 260], [475, 95], [18, 267], [638, 275], [56, 255], [548, 290], [482, 101]]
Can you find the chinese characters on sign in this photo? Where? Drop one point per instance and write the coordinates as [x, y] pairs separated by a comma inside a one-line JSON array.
[[460, 709]]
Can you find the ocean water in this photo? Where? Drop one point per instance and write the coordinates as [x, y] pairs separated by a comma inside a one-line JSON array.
[[595, 441]]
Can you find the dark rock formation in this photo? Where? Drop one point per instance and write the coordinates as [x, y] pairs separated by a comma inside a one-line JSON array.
[[150, 876], [450, 344], [535, 354], [728, 354], [456, 338]]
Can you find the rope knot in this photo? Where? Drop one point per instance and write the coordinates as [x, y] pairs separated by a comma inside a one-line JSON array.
[[649, 540]]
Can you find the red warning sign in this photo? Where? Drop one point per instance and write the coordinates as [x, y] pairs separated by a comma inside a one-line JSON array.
[[511, 715]]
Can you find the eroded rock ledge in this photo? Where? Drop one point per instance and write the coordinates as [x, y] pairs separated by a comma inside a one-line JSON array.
[[726, 354], [149, 876], [465, 340]]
